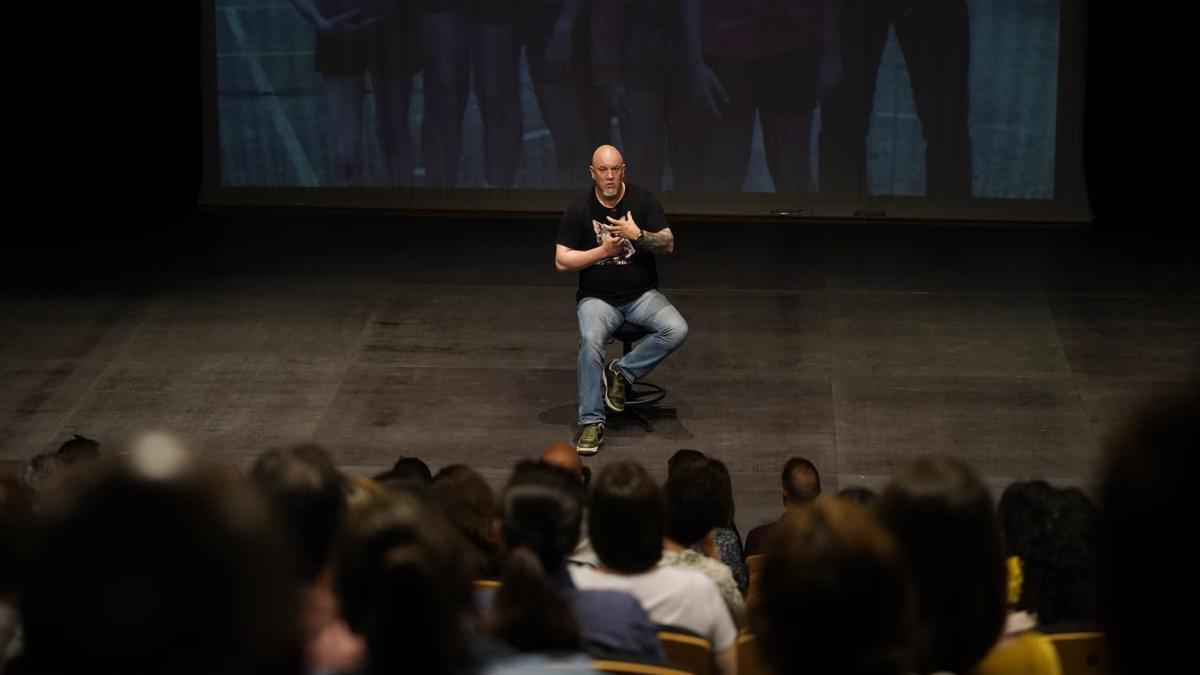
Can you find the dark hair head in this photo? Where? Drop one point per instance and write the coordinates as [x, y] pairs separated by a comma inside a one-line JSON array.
[[180, 573], [941, 514], [308, 494], [801, 482], [696, 497], [42, 470], [468, 502], [626, 519], [79, 449], [541, 509], [1022, 506], [1059, 570], [834, 597], [528, 612], [404, 586], [410, 475], [859, 495], [1145, 495], [682, 458]]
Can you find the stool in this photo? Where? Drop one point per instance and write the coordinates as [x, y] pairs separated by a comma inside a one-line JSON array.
[[640, 397]]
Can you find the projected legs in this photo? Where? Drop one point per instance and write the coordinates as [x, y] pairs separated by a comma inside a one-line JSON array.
[[391, 67], [934, 37], [495, 64], [342, 99], [446, 48]]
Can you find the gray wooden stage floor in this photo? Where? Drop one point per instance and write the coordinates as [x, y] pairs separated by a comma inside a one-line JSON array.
[[856, 346]]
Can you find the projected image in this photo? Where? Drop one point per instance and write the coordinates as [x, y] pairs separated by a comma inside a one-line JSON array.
[[837, 99]]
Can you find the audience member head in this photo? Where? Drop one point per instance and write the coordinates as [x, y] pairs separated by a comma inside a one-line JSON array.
[[540, 511], [626, 521], [1145, 496], [697, 499], [858, 494], [942, 517], [834, 597], [1022, 506], [682, 458], [564, 456], [42, 471], [801, 482], [470, 505], [405, 587], [309, 496], [1060, 557], [159, 566], [408, 474], [79, 449], [362, 492]]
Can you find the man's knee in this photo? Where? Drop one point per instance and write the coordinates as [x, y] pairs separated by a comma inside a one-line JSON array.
[[675, 330], [593, 338]]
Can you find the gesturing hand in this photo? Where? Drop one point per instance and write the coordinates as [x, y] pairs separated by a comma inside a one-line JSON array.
[[624, 227], [613, 245]]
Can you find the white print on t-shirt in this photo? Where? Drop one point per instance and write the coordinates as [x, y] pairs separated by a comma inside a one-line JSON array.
[[623, 257]]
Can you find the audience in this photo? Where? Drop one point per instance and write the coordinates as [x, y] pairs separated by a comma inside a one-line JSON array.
[[79, 450], [408, 474], [695, 498], [627, 524], [857, 494], [834, 598], [942, 517], [538, 607], [1145, 496], [1060, 580], [801, 484], [405, 586], [159, 566], [564, 456], [470, 505], [308, 496], [153, 561], [726, 539], [1022, 506]]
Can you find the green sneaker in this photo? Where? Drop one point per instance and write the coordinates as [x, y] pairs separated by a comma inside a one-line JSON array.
[[614, 387], [589, 439]]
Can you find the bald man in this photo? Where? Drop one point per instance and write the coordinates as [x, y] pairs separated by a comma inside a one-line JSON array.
[[564, 457], [611, 236]]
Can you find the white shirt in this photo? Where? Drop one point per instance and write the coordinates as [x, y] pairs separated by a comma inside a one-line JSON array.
[[672, 596]]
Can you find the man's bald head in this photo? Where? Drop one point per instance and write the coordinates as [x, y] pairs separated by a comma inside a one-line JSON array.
[[564, 456], [608, 171], [607, 155]]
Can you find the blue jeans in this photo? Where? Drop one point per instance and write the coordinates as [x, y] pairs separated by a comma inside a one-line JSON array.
[[598, 320]]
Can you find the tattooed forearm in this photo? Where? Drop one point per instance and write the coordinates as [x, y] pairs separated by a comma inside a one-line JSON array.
[[658, 242]]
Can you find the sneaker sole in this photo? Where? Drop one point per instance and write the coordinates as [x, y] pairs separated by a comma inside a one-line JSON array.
[[608, 403]]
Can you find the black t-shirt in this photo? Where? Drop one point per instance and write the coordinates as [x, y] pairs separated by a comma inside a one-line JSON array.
[[621, 279]]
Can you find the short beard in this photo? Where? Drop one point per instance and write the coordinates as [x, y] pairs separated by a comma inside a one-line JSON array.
[[616, 190]]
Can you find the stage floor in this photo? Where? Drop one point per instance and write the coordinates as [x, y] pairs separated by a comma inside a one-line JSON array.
[[1018, 350]]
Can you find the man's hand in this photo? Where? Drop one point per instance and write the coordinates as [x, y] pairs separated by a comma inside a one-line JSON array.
[[612, 245], [625, 227]]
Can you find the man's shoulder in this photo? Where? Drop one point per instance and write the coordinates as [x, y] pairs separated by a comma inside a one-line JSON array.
[[637, 193]]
